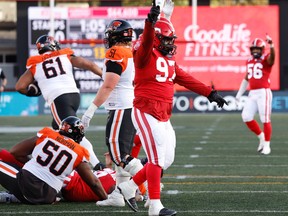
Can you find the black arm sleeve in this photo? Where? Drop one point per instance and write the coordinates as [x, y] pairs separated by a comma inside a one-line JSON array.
[[113, 67]]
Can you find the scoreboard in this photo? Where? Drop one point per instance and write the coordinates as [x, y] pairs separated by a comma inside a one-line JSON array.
[[82, 29]]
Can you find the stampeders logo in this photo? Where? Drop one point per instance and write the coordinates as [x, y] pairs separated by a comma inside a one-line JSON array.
[[229, 43]]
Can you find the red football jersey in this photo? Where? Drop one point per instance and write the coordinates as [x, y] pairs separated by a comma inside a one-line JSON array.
[[155, 76], [258, 71], [76, 190]]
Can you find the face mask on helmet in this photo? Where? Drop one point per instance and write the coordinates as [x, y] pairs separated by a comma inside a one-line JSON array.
[[72, 127], [165, 37], [118, 31], [257, 48], [47, 43]]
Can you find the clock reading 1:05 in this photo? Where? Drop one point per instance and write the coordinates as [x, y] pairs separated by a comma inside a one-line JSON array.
[[92, 25]]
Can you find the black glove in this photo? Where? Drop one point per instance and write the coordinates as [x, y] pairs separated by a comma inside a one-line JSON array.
[[154, 13], [99, 166], [214, 96], [33, 90]]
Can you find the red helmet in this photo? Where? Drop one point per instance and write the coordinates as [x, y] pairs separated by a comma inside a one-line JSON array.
[[165, 37], [257, 47]]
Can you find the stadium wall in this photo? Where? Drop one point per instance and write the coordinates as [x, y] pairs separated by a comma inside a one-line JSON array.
[[15, 104]]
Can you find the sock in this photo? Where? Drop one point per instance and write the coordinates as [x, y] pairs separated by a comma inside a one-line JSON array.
[[267, 131], [140, 177], [153, 174], [254, 127], [8, 157], [136, 147]]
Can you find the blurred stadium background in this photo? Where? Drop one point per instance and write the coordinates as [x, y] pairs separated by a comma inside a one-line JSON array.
[[217, 170], [212, 47]]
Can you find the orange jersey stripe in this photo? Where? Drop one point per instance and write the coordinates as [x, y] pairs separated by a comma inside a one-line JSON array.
[[8, 170], [115, 132]]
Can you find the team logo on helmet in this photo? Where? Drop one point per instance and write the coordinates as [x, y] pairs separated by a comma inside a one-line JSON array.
[[115, 24]]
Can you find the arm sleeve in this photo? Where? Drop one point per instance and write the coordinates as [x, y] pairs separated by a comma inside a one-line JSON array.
[[143, 54], [188, 81], [242, 88], [113, 67]]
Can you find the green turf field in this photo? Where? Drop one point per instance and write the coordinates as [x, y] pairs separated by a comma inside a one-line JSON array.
[[217, 170]]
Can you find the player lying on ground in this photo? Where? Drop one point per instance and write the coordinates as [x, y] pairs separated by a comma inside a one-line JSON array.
[[74, 188], [55, 154]]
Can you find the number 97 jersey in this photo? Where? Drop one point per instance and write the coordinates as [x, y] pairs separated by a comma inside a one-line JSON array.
[[258, 71], [55, 157], [54, 73]]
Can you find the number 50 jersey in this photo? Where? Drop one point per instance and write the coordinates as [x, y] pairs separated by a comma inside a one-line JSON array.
[[54, 73], [55, 157]]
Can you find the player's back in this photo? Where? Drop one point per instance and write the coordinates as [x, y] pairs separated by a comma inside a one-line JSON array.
[[54, 73], [55, 157]]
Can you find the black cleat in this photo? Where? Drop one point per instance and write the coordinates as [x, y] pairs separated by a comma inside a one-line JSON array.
[[167, 212], [131, 202]]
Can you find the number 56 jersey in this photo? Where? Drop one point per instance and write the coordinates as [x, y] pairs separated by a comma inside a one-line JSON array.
[[55, 157], [54, 73]]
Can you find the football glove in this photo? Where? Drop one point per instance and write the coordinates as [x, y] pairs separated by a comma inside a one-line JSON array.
[[99, 166], [214, 96], [268, 39], [33, 90], [154, 13], [168, 9]]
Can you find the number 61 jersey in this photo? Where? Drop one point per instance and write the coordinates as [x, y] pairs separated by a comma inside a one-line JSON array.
[[54, 73], [55, 157]]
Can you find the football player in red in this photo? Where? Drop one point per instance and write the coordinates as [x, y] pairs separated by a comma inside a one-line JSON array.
[[51, 74], [117, 93], [156, 72], [259, 67], [55, 154]]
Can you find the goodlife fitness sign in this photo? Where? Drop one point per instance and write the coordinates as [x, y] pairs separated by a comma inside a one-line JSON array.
[[221, 44], [218, 55]]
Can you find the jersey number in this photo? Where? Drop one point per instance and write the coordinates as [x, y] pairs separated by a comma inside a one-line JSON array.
[[255, 70], [49, 149], [162, 66], [51, 71]]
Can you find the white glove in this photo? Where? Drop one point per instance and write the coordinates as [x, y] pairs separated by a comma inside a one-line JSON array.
[[87, 116], [168, 9], [269, 39]]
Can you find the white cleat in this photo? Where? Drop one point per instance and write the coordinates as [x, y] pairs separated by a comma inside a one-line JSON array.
[[114, 199], [266, 148]]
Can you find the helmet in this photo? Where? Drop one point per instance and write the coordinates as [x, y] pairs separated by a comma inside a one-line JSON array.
[[165, 37], [117, 31], [72, 127], [46, 43], [257, 47]]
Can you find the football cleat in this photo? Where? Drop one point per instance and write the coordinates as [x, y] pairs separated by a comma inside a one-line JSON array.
[[167, 212], [162, 212], [8, 198], [128, 193], [114, 199], [261, 142], [266, 148]]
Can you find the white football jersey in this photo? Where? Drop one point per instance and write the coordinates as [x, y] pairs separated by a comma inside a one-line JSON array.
[[54, 73], [122, 96], [55, 157]]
